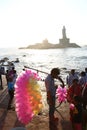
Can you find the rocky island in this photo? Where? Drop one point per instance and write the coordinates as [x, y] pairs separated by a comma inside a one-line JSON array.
[[64, 42]]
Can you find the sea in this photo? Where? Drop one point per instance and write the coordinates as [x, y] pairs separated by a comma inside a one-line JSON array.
[[44, 60]]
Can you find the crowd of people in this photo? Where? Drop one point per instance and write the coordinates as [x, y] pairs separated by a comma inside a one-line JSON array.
[[82, 77], [76, 94], [11, 75]]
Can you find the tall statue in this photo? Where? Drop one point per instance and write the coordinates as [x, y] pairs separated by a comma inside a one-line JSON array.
[[64, 32]]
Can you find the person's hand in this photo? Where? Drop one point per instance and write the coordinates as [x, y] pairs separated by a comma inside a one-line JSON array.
[[56, 86], [60, 79], [48, 97], [47, 100], [62, 85]]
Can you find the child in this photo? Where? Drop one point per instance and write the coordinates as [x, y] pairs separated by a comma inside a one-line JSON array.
[[11, 82], [76, 113]]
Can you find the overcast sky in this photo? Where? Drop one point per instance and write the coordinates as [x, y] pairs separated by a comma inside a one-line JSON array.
[[25, 22]]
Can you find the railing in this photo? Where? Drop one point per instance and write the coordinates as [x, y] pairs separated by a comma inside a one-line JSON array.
[[35, 70]]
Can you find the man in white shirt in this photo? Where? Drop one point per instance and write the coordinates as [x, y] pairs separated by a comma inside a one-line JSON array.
[[72, 75]]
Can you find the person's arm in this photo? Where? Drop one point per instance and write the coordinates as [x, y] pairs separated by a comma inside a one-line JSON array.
[[49, 97], [67, 80], [60, 79]]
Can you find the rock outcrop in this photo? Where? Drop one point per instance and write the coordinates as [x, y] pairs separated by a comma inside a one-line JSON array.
[[64, 42]]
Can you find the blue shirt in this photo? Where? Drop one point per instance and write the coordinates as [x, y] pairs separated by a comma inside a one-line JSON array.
[[82, 80], [70, 78], [10, 85], [50, 86]]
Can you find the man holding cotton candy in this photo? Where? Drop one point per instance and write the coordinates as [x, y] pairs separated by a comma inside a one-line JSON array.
[[51, 92]]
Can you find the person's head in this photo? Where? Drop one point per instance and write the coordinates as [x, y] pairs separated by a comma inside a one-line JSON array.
[[23, 69], [72, 71], [77, 99], [86, 70], [83, 74], [13, 68], [14, 72], [7, 71], [55, 72], [75, 81]]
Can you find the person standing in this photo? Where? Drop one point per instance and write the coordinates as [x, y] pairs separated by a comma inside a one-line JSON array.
[[72, 75], [1, 81], [2, 72], [84, 101], [82, 79], [76, 113], [11, 82], [51, 94], [74, 91]]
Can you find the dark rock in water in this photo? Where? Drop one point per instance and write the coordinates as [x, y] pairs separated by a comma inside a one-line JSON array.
[[5, 58], [17, 60], [70, 45], [2, 61], [64, 68], [24, 55]]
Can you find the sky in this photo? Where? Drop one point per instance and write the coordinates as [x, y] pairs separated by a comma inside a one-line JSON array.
[[26, 22]]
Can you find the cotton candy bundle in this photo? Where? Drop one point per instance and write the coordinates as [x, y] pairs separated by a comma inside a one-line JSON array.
[[27, 96], [72, 106], [61, 94]]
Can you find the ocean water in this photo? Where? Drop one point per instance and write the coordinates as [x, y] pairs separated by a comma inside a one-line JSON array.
[[45, 60]]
